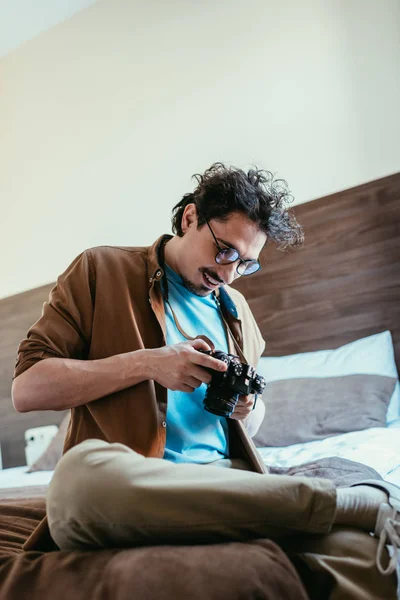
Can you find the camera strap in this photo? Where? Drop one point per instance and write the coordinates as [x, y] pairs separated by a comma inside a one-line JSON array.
[[185, 335], [228, 329], [179, 328], [244, 444], [204, 337]]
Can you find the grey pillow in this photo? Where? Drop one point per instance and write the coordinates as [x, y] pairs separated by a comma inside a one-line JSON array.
[[306, 409]]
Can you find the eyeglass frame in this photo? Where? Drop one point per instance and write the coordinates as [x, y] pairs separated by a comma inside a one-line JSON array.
[[241, 260]]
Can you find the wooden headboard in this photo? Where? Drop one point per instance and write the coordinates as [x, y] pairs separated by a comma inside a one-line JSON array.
[[342, 285]]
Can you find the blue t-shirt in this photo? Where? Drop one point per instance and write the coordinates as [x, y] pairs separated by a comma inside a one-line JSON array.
[[193, 434]]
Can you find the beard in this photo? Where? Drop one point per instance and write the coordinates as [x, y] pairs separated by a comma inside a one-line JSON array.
[[198, 289]]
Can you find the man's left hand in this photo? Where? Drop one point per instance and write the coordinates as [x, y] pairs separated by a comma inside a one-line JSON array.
[[244, 407]]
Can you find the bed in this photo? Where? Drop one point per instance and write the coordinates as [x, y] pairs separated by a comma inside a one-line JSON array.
[[331, 310], [341, 289]]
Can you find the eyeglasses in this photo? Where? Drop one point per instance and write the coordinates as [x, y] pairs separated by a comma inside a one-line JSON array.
[[226, 256]]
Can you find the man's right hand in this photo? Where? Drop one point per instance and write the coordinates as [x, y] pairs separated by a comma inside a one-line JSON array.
[[181, 367]]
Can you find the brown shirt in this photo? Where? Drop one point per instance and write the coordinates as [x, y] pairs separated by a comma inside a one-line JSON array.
[[109, 302]]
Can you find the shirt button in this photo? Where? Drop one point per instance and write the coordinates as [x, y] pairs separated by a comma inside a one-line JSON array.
[[163, 424]]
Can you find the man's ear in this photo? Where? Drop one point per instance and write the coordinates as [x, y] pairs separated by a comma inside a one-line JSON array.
[[189, 217]]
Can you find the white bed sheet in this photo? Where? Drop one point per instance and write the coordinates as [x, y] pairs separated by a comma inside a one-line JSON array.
[[377, 447], [18, 477]]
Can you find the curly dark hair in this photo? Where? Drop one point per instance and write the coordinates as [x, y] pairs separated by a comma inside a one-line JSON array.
[[222, 190]]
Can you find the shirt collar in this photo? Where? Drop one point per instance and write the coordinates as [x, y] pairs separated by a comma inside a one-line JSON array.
[[227, 301], [154, 269]]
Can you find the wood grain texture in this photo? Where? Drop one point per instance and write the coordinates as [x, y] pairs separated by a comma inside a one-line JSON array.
[[17, 314], [343, 284]]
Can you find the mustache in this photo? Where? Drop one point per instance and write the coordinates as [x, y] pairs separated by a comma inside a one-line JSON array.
[[212, 274]]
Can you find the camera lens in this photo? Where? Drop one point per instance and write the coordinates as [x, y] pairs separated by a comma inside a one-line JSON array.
[[219, 406]]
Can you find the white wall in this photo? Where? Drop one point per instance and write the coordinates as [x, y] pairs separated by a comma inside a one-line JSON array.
[[105, 117], [22, 20]]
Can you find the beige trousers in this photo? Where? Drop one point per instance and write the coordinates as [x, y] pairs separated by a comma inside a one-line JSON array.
[[107, 495]]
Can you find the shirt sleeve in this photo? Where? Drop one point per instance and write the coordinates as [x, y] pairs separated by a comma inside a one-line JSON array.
[[64, 329]]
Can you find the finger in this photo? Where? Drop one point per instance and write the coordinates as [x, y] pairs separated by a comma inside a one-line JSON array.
[[242, 411], [208, 362], [201, 374], [246, 400], [194, 382], [245, 410], [185, 388], [200, 344], [238, 417]]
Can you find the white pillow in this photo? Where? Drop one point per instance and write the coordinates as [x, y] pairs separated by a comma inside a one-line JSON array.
[[373, 355]]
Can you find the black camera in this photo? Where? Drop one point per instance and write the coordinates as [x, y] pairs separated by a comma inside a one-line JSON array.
[[240, 379]]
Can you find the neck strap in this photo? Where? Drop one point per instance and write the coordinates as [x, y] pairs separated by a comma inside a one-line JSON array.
[[178, 326]]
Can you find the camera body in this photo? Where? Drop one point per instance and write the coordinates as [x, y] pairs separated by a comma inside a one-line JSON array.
[[240, 379]]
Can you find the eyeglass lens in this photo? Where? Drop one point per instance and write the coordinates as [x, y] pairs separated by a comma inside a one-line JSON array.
[[229, 255]]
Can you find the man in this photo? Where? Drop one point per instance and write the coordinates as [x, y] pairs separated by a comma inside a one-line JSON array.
[[118, 343]]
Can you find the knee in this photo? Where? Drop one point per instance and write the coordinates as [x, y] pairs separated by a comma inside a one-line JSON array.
[[72, 474], [88, 458], [75, 463], [81, 476]]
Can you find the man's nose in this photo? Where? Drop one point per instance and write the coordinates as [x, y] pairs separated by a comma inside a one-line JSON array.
[[230, 273]]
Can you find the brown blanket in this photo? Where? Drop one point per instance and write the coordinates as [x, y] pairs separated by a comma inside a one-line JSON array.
[[256, 570]]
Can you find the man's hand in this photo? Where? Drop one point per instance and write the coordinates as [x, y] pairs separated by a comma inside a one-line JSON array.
[[243, 408], [181, 367]]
